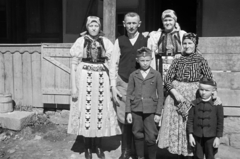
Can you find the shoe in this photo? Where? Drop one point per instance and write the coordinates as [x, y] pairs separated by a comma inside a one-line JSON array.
[[126, 154], [98, 147], [140, 158], [88, 153], [88, 150]]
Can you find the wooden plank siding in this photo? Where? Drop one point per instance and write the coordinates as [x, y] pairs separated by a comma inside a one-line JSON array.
[[19, 73], [56, 73], [223, 55]]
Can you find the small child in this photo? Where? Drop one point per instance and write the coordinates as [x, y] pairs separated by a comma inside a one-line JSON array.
[[205, 121], [144, 103]]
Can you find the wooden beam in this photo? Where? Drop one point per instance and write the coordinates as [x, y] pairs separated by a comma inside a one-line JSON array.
[[142, 14], [109, 19], [58, 64], [47, 91]]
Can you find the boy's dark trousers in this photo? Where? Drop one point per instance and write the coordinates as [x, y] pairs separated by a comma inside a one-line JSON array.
[[144, 130], [204, 145]]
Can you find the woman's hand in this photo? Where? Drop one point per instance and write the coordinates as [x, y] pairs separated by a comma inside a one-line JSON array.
[[178, 96], [192, 140], [157, 118], [177, 56], [116, 95], [217, 100]]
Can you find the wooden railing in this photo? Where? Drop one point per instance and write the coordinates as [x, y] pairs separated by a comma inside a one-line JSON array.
[[20, 73]]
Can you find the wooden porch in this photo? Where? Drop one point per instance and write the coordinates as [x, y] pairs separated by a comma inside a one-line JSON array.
[[39, 74]]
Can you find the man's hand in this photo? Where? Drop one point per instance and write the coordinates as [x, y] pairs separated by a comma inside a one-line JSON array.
[[129, 118], [216, 142], [192, 140], [116, 95], [157, 118]]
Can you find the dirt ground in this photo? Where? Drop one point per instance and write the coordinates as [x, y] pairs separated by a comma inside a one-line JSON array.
[[43, 139]]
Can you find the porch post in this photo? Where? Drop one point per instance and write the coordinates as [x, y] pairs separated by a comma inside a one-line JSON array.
[[109, 18]]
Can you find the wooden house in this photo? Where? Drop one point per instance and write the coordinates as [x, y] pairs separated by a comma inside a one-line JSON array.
[[36, 35]]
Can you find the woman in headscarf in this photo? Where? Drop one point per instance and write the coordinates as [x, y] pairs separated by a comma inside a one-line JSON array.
[[181, 82], [167, 42], [91, 113]]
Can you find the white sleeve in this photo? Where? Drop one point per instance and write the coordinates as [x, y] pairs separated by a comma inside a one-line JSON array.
[[109, 49], [77, 48], [153, 41], [153, 45], [113, 67]]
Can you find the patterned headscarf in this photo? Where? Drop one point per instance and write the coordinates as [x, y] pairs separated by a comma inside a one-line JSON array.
[[91, 19], [169, 13], [191, 36]]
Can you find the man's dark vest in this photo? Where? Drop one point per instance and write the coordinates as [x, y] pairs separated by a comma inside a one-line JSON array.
[[127, 62]]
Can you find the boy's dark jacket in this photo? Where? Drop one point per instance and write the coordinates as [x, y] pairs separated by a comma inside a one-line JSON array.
[[205, 119], [145, 95]]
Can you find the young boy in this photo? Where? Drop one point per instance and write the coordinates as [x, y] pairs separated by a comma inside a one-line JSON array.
[[205, 121], [144, 103]]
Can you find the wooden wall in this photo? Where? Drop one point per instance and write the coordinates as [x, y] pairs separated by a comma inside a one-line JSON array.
[[20, 73], [223, 55]]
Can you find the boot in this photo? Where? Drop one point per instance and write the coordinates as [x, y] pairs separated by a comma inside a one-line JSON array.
[[152, 151], [87, 147], [97, 144], [126, 141]]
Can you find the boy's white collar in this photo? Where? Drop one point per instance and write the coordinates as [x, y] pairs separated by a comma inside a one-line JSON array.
[[205, 100]]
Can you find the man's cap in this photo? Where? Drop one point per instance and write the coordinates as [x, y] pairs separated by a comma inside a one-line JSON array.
[[208, 81]]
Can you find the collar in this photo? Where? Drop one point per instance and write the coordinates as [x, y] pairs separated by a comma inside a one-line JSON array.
[[189, 55], [134, 36], [146, 71], [199, 100], [150, 74], [89, 37], [171, 32]]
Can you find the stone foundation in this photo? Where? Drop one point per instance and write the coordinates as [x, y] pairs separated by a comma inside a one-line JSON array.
[[231, 133]]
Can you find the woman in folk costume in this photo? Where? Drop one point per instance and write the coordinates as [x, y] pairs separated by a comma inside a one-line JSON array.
[[181, 82], [91, 113], [167, 42]]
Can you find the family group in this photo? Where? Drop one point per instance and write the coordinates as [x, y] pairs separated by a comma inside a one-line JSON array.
[[117, 90]]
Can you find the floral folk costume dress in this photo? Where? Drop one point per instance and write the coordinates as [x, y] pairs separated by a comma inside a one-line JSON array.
[[183, 75], [93, 114]]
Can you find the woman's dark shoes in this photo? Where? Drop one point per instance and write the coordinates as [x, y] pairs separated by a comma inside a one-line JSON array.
[[100, 153], [140, 158], [88, 153]]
